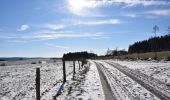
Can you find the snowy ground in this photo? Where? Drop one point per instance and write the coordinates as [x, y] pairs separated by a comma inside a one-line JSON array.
[[124, 87], [157, 70], [17, 82], [127, 83], [128, 80], [87, 85]]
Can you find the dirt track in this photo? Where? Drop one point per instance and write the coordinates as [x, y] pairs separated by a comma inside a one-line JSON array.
[[106, 87], [144, 80], [157, 89]]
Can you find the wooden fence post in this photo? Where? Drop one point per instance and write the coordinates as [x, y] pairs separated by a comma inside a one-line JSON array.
[[79, 64], [82, 63], [64, 71], [37, 83], [74, 69]]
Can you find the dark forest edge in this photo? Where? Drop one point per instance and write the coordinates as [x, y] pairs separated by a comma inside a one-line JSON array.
[[78, 56], [162, 55], [159, 43], [157, 47]]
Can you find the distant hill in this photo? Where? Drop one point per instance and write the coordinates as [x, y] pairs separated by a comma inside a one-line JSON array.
[[17, 58]]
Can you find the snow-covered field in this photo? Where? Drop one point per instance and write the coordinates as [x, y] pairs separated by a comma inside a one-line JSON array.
[[136, 80], [157, 70], [128, 80], [123, 87], [17, 82]]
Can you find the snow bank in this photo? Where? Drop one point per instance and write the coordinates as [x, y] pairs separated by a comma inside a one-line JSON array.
[[93, 86]]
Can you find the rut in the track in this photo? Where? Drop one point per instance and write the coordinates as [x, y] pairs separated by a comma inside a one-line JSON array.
[[106, 87], [146, 85]]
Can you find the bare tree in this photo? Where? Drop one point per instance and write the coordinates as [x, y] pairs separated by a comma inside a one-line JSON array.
[[169, 30], [108, 51], [155, 30]]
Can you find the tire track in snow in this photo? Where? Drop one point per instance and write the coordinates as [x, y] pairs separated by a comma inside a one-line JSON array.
[[119, 91], [106, 87], [162, 94]]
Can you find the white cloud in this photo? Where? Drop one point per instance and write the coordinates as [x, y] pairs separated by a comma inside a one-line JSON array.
[[96, 22], [80, 4], [56, 46], [81, 7], [54, 26], [151, 17], [132, 15], [103, 37], [152, 14], [56, 35], [15, 41], [85, 7], [51, 35], [164, 12], [142, 2], [24, 27]]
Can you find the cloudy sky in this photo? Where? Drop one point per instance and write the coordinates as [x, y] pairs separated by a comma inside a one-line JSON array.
[[49, 28]]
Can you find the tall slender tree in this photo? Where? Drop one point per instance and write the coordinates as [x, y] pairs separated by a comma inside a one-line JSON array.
[[169, 30], [155, 30]]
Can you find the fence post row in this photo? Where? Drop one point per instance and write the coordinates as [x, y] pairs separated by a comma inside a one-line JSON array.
[[74, 69], [64, 77], [37, 83], [64, 71], [82, 64], [79, 64]]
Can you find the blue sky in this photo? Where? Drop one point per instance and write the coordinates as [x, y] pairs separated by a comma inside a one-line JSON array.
[[49, 28]]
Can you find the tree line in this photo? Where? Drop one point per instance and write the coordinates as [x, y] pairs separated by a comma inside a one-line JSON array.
[[78, 56], [75, 56], [116, 52], [158, 43]]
